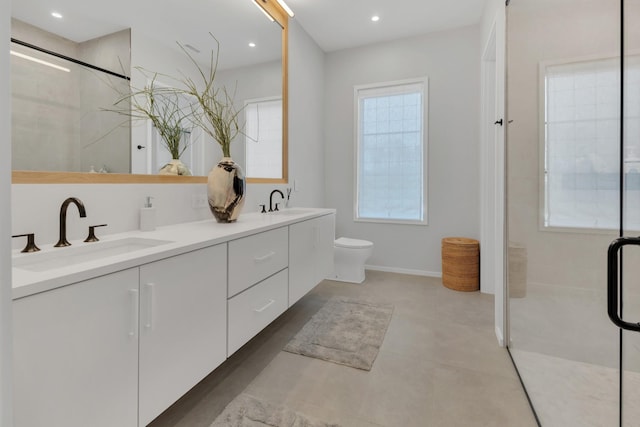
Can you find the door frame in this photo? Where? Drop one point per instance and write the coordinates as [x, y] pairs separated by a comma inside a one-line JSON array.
[[493, 167]]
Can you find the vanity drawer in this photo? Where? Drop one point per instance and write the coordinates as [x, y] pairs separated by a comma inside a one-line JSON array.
[[254, 258], [253, 309]]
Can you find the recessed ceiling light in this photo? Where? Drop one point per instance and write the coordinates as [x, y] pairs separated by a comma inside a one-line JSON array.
[[252, 44], [375, 18], [56, 15]]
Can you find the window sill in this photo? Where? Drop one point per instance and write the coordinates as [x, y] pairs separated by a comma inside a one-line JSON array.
[[581, 230], [390, 221]]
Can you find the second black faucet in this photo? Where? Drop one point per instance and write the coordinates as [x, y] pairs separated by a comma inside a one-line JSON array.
[[271, 200]]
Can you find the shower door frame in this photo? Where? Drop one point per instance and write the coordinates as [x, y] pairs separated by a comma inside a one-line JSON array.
[[616, 245]]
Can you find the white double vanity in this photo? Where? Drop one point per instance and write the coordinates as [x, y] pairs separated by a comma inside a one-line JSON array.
[[112, 333]]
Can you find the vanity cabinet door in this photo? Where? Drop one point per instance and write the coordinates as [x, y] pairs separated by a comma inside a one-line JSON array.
[[310, 254], [183, 323], [75, 354], [324, 255]]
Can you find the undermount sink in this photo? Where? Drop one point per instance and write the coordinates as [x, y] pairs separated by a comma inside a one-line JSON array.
[[60, 257], [291, 211]]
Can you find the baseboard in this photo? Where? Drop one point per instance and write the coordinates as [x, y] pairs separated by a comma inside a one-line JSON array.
[[404, 271]]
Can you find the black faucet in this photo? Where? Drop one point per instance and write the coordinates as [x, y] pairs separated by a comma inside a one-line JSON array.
[[63, 219], [271, 200]]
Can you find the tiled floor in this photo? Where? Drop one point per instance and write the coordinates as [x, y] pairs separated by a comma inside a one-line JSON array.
[[572, 393], [567, 351], [439, 365]]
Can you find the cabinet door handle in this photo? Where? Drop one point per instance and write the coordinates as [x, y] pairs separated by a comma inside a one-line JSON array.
[[149, 318], [267, 305], [133, 299], [264, 258]]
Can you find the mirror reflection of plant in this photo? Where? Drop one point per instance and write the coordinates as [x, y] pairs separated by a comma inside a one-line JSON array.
[[162, 106], [215, 112]]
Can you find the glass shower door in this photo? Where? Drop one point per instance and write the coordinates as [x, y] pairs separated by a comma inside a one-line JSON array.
[[563, 199], [630, 255]]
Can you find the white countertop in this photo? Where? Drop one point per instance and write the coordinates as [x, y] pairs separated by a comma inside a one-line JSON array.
[[182, 238]]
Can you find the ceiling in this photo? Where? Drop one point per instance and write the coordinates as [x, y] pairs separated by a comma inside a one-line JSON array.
[[234, 23], [340, 24], [333, 24]]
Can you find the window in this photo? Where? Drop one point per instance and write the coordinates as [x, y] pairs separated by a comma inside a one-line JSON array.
[[582, 143], [391, 152], [263, 135]]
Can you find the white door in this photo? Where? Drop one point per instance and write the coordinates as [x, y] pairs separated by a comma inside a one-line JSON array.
[[325, 237], [183, 324], [310, 254], [76, 354]]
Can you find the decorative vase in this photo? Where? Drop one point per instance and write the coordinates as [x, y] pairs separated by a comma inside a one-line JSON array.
[[175, 167], [225, 190]]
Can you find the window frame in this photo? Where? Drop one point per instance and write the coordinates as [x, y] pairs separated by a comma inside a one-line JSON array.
[[247, 145], [424, 133], [543, 194]]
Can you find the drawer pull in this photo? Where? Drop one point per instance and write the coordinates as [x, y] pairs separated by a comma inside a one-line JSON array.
[[267, 305], [264, 258]]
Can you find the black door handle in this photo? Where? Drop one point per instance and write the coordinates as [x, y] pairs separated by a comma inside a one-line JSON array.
[[498, 122], [612, 282]]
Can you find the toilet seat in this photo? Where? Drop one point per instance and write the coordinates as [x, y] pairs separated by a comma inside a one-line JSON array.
[[345, 242]]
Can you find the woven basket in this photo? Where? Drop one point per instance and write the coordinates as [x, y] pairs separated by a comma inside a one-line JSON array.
[[461, 264]]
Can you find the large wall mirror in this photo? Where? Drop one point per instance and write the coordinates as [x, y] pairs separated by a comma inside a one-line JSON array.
[[61, 132]]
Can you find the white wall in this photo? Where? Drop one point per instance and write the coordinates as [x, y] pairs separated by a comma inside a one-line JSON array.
[[306, 118], [6, 402], [538, 32], [488, 17], [451, 60], [492, 161], [36, 208], [251, 82]]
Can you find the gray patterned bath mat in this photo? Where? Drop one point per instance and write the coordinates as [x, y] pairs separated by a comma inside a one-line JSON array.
[[344, 331], [248, 411]]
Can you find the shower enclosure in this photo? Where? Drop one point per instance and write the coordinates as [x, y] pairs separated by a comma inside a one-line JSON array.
[[573, 187]]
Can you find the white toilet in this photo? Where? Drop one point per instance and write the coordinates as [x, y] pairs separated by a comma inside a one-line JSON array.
[[349, 257]]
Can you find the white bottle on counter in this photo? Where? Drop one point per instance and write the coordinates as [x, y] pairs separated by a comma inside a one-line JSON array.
[[148, 216]]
